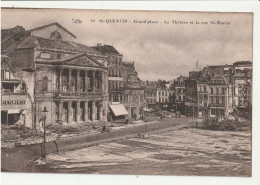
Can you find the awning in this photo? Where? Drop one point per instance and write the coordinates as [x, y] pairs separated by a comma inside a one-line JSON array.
[[118, 109], [14, 111]]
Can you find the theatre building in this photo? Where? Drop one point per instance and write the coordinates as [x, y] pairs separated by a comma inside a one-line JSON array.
[[15, 102], [68, 78]]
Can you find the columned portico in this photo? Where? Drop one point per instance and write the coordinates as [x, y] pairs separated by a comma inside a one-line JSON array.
[[76, 80], [75, 104]]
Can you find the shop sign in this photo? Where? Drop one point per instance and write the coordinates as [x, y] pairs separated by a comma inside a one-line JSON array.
[[13, 102]]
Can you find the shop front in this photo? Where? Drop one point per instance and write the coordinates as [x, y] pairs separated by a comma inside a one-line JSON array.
[[14, 109]]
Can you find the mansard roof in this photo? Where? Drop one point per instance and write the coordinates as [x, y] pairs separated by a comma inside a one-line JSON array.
[[45, 43], [106, 49]]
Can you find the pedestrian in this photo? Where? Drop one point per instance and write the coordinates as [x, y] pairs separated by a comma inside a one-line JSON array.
[[126, 121], [161, 117]]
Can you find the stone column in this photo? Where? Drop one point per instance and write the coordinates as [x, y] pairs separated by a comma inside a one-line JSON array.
[[101, 111], [69, 81], [60, 85], [60, 111], [70, 112], [86, 111], [78, 112], [93, 110], [105, 109], [78, 81], [86, 81], [103, 85], [93, 81]]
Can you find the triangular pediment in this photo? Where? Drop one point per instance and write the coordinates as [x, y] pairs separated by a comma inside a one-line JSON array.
[[83, 60]]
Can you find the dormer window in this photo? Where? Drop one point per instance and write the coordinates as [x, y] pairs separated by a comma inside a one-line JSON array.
[[55, 35]]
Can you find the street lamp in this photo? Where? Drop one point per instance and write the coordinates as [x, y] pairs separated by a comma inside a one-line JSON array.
[[44, 133]]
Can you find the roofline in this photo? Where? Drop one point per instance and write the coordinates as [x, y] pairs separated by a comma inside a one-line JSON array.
[[55, 23], [96, 53], [64, 62]]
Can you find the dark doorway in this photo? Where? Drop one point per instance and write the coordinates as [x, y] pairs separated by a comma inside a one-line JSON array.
[[90, 111], [4, 117]]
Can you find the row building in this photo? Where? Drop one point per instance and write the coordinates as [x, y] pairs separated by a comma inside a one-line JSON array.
[[126, 96]]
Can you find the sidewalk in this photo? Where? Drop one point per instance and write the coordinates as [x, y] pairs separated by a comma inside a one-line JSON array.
[[57, 132]]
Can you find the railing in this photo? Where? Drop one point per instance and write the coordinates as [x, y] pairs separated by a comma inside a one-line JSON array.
[[62, 93], [216, 105], [12, 93]]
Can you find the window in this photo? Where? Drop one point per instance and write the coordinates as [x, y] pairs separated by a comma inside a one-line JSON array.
[[55, 35], [213, 111], [2, 74], [223, 90], [217, 90], [211, 90], [205, 89], [217, 100], [7, 74], [45, 83], [58, 56], [211, 100]]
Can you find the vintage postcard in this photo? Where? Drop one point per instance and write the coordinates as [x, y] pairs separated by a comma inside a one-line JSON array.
[[126, 92]]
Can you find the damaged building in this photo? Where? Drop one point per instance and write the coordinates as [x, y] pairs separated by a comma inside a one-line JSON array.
[[67, 78]]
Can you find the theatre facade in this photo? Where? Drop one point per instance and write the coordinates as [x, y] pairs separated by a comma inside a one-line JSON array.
[[66, 78]]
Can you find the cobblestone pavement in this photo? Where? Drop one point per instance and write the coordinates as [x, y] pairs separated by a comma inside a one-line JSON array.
[[174, 151]]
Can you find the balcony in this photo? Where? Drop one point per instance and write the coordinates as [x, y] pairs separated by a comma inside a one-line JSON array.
[[10, 92], [78, 94]]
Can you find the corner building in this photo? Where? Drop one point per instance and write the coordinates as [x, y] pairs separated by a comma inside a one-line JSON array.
[[68, 78]]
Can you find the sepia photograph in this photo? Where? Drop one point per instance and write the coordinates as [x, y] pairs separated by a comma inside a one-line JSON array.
[[126, 92]]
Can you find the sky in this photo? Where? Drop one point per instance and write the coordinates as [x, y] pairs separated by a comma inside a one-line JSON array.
[[162, 50]]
